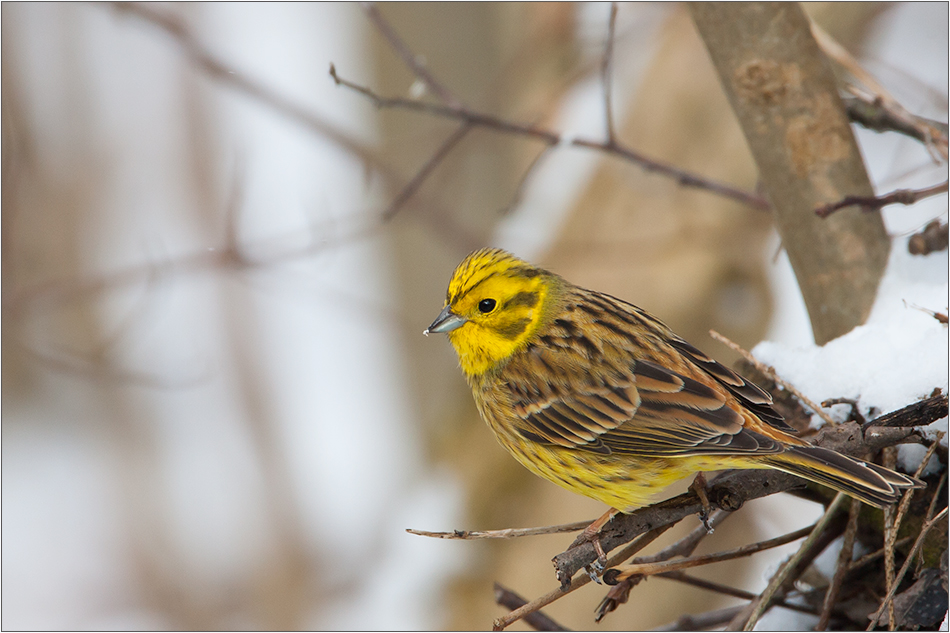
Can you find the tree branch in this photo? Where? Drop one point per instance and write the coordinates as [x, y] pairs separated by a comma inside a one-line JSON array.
[[786, 99], [875, 203]]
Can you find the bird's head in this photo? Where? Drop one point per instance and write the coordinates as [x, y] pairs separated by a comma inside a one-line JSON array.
[[495, 304]]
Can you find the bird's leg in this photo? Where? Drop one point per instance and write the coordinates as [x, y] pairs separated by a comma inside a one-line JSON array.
[[592, 534], [699, 487]]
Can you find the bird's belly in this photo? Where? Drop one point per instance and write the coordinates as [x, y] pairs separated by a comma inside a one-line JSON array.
[[625, 482]]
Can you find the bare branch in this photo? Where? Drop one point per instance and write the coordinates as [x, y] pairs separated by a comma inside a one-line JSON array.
[[841, 568], [537, 620], [605, 74], [478, 119], [871, 113], [622, 572], [538, 603], [900, 575], [875, 203], [413, 185], [460, 113], [681, 177], [920, 413], [411, 61], [227, 75], [503, 534], [924, 130], [620, 592], [759, 606], [703, 621]]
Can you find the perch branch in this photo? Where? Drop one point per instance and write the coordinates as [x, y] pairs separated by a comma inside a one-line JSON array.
[[645, 539]]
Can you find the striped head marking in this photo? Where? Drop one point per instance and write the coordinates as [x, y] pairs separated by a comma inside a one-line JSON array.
[[494, 305]]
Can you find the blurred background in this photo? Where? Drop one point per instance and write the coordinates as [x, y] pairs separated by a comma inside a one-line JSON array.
[[218, 407]]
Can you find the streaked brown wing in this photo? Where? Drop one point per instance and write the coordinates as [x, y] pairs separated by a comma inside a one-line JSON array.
[[648, 411], [757, 400]]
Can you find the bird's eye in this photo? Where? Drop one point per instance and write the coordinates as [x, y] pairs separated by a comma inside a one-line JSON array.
[[486, 305]]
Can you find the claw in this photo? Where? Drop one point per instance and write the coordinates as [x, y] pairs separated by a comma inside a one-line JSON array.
[[592, 535], [594, 571]]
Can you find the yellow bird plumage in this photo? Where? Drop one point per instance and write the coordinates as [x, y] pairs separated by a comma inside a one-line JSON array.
[[599, 397]]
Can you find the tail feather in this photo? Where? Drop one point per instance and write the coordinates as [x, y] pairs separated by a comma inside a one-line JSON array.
[[870, 483]]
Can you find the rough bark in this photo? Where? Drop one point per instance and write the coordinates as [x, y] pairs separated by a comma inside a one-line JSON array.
[[785, 97]]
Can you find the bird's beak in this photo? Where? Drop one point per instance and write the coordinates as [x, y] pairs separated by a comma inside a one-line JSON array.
[[445, 322]]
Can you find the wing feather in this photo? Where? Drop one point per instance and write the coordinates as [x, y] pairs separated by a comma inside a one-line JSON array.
[[633, 405]]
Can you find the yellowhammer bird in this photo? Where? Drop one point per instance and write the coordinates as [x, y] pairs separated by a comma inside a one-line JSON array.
[[601, 398]]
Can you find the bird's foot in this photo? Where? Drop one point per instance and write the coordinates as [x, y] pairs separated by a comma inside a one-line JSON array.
[[699, 487], [591, 534]]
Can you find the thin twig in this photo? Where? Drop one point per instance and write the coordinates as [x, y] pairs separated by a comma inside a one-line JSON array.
[[642, 541], [448, 112], [525, 177], [437, 157], [605, 74], [873, 203], [503, 534], [876, 554], [703, 621], [537, 620], [900, 575], [842, 566], [889, 460], [479, 119], [726, 590], [930, 135], [770, 372], [622, 572], [225, 74], [855, 414], [681, 177], [871, 113], [761, 603], [411, 61], [936, 496]]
